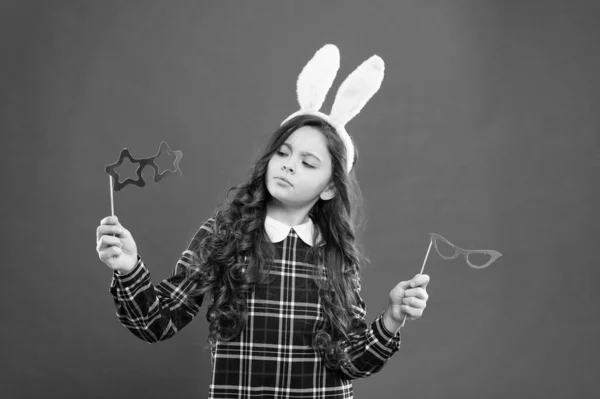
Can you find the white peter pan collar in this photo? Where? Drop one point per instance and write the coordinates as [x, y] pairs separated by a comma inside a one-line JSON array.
[[278, 231]]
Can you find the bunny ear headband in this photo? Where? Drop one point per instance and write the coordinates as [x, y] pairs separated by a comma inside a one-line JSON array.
[[317, 77]]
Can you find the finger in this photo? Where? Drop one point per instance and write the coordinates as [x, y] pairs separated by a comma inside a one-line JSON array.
[[109, 253], [110, 220], [414, 302], [114, 230], [416, 292], [420, 280], [411, 313], [108, 241], [103, 245], [403, 285], [111, 229]]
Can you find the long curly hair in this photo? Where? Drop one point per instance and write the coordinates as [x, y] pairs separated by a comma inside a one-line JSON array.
[[238, 255]]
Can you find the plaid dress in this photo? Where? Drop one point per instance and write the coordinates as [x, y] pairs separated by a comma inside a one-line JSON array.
[[272, 357]]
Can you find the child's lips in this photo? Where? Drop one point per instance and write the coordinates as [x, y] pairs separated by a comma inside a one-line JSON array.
[[283, 179]]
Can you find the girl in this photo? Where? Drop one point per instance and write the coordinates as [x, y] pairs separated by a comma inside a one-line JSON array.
[[279, 264]]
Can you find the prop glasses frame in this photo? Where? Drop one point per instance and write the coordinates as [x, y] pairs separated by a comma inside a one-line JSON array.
[[434, 237], [465, 252]]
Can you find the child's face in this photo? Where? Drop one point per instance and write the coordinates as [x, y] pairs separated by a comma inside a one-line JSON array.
[[305, 162]]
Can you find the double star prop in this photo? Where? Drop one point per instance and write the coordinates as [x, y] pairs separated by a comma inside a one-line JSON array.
[[142, 163]]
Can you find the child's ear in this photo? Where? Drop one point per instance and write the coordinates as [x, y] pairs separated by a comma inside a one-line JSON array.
[[328, 193]]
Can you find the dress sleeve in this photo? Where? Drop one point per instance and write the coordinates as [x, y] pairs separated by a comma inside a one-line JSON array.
[[370, 349], [156, 313]]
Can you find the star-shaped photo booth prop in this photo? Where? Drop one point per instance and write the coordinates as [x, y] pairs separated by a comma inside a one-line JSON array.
[[143, 162]]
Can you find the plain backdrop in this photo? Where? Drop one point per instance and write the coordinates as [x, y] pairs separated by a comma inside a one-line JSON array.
[[485, 131]]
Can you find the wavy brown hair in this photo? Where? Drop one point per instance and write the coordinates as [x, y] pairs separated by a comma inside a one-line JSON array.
[[238, 255]]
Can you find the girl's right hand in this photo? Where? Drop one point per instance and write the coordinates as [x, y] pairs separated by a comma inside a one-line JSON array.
[[119, 252]]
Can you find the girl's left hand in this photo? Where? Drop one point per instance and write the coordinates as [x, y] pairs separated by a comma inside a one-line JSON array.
[[409, 298]]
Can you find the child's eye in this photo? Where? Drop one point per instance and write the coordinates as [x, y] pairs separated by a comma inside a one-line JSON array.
[[308, 165], [281, 153]]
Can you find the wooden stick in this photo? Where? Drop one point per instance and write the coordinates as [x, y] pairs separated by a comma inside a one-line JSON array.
[[426, 255], [112, 210], [422, 268], [112, 202]]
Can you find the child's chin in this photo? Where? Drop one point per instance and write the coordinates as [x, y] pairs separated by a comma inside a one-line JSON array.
[[277, 189], [274, 193], [279, 197]]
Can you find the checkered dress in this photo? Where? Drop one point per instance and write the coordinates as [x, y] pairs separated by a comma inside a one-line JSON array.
[[272, 357]]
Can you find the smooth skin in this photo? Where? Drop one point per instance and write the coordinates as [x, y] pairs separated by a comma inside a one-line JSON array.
[[305, 162], [407, 297], [118, 252]]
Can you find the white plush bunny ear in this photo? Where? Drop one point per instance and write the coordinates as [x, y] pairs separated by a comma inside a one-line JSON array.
[[357, 89], [317, 77]]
